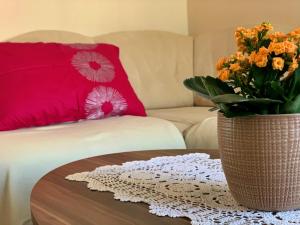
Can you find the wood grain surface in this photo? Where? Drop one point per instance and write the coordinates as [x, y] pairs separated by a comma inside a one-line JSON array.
[[56, 201]]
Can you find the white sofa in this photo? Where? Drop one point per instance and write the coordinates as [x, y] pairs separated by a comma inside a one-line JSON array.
[[157, 63]]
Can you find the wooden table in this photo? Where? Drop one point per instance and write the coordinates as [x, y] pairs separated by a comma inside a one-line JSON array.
[[55, 200]]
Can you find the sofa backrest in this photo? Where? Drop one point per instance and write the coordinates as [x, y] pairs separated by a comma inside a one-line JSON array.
[[209, 47], [156, 62]]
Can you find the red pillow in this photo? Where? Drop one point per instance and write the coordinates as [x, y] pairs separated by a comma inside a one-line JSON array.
[[47, 83]]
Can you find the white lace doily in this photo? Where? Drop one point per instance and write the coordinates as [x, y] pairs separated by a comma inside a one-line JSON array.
[[191, 186]]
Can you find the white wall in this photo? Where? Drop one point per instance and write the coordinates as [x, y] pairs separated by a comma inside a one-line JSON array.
[[209, 15], [92, 17]]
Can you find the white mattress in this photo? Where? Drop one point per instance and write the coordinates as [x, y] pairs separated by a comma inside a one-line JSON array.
[[27, 154]]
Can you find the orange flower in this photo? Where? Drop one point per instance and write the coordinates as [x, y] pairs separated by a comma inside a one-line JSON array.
[[290, 47], [241, 47], [277, 47], [278, 63], [252, 57], [235, 67], [220, 63], [240, 56], [278, 36], [224, 74], [241, 34], [263, 51], [238, 32], [264, 26], [259, 58], [250, 33], [295, 33], [293, 66]]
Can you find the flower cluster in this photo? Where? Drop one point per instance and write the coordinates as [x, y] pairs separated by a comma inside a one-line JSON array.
[[234, 64], [258, 47], [262, 77]]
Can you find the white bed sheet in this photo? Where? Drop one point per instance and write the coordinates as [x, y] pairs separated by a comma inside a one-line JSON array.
[[27, 154]]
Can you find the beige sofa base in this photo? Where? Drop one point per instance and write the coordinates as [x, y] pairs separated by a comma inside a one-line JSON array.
[[28, 154]]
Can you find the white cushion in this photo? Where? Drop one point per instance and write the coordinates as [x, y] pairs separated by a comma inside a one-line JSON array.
[[28, 154], [183, 117], [202, 135], [197, 124]]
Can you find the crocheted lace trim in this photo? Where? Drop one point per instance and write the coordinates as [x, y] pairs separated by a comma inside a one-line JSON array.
[[191, 186]]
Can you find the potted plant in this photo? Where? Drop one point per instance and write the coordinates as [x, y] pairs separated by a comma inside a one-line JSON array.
[[257, 92]]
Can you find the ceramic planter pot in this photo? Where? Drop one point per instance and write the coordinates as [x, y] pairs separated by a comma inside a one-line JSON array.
[[261, 160]]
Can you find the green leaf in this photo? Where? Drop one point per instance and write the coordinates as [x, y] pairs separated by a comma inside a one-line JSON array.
[[215, 86], [234, 113], [196, 84], [276, 86], [207, 87], [292, 106], [265, 43], [294, 88], [258, 76], [235, 99], [275, 90]]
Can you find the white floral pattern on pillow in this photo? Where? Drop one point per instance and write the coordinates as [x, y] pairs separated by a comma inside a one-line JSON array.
[[104, 102], [94, 66]]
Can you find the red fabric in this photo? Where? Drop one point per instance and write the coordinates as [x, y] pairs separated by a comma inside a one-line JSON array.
[[48, 83]]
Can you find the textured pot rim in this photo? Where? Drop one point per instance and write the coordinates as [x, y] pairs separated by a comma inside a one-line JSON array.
[[262, 116]]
